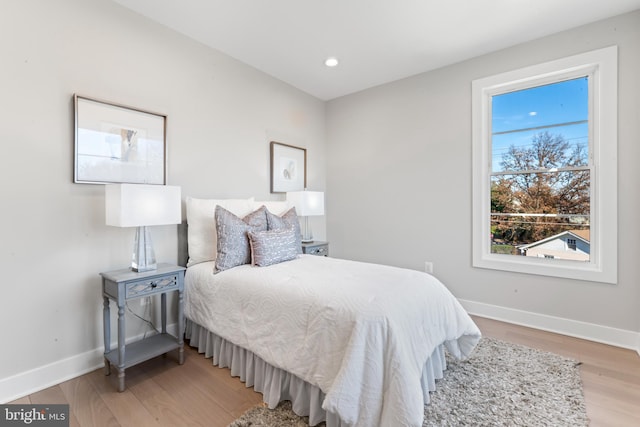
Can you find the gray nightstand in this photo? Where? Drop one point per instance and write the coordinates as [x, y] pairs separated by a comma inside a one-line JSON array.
[[316, 248], [124, 285]]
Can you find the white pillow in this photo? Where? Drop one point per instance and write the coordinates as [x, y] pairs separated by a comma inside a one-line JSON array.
[[275, 207], [201, 231]]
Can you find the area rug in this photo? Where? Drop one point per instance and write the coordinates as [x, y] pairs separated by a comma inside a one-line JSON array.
[[501, 384]]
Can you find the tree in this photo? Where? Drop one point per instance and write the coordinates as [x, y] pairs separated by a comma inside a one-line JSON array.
[[543, 183]]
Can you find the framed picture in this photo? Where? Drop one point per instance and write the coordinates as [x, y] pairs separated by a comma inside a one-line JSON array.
[[118, 144], [288, 168]]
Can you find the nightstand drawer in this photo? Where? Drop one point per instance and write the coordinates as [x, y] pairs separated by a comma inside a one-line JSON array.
[[320, 250], [151, 286], [316, 248]]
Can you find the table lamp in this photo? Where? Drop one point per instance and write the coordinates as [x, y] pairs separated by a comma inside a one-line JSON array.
[[141, 206], [307, 203]]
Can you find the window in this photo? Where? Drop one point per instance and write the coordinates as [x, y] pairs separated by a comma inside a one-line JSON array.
[[545, 167]]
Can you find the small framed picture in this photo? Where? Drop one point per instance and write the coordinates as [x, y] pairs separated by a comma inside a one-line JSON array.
[[288, 168], [118, 144]]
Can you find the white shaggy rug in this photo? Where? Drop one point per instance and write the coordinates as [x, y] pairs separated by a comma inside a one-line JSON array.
[[501, 384]]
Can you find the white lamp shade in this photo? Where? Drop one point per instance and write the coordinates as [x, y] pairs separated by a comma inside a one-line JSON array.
[[136, 205], [307, 203]]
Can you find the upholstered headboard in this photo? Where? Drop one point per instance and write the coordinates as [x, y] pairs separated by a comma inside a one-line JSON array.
[[183, 248]]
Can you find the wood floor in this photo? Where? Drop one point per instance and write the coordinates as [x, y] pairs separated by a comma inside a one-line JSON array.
[[161, 393]]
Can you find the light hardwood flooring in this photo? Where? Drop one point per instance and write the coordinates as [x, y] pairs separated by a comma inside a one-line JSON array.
[[161, 393]]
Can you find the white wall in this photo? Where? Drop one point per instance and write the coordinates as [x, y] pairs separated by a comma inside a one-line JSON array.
[[399, 187], [221, 116]]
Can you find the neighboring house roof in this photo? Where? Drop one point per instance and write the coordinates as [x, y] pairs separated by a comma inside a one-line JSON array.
[[580, 234], [583, 234]]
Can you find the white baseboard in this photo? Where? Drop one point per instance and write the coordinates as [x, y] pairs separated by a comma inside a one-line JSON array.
[[37, 379], [574, 328], [34, 380]]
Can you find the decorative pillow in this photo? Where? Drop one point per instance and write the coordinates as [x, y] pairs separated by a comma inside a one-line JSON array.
[[201, 233], [288, 220], [233, 242], [272, 247]]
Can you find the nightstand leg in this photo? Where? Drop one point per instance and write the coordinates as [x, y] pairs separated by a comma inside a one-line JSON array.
[[121, 348], [106, 324], [163, 315], [121, 381], [180, 327], [163, 312]]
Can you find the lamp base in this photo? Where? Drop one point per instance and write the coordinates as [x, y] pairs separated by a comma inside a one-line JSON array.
[[144, 258], [143, 269], [307, 235]]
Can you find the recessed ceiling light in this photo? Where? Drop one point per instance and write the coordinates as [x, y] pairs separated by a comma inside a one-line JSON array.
[[331, 62]]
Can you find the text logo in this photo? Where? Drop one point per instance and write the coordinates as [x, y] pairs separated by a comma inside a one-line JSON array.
[[34, 415]]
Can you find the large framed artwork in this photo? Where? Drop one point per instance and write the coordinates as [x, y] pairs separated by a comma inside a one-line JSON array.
[[118, 144], [288, 168]]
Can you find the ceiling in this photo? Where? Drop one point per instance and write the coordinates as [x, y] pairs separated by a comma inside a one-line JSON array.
[[376, 41]]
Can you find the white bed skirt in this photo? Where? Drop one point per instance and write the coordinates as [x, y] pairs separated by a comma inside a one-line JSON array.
[[277, 385]]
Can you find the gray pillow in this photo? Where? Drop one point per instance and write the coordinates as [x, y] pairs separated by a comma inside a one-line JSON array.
[[288, 220], [233, 242], [272, 247]]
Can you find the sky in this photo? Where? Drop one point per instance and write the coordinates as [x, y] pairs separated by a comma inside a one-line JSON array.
[[547, 105]]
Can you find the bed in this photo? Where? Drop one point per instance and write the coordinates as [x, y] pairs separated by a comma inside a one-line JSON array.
[[349, 343]]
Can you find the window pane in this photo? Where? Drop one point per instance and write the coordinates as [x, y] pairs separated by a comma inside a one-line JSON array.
[[540, 214], [542, 127]]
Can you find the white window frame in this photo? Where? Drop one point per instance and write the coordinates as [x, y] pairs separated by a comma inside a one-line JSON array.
[[602, 68]]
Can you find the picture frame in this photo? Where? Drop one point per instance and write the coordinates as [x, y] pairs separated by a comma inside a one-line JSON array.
[[118, 144], [288, 168]]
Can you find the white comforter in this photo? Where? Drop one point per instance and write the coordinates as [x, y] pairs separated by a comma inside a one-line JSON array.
[[361, 332]]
